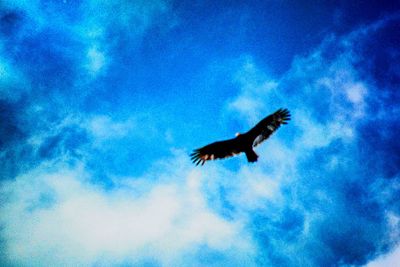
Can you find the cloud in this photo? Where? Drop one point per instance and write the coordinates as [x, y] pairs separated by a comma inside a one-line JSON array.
[[102, 127], [254, 85], [96, 60], [325, 180], [55, 208], [393, 257], [74, 42], [388, 260], [56, 56]]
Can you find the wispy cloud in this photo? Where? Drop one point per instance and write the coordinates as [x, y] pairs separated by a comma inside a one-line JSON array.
[[53, 56], [102, 127], [255, 86], [325, 183]]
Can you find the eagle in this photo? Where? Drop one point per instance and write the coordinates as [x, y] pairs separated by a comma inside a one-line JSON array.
[[242, 142]]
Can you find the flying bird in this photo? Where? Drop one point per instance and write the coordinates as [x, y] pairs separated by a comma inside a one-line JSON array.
[[243, 142]]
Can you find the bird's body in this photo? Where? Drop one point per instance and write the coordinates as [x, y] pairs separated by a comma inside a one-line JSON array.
[[242, 142]]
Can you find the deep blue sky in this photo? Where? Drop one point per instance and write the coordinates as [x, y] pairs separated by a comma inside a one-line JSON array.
[[101, 103]]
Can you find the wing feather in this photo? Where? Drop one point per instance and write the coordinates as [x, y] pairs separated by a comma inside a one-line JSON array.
[[266, 127], [217, 150]]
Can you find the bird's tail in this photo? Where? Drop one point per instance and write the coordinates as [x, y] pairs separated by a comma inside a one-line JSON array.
[[251, 156]]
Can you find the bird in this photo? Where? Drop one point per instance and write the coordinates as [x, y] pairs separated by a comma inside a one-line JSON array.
[[242, 142]]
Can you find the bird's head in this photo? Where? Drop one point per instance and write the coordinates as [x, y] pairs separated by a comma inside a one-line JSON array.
[[237, 134]]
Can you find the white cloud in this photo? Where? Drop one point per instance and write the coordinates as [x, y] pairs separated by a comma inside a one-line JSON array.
[[255, 86], [334, 87], [255, 189], [54, 215], [103, 127], [99, 126], [246, 106], [389, 260], [356, 93], [102, 17], [96, 60]]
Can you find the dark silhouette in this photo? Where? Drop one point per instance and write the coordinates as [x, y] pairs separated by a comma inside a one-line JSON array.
[[243, 142]]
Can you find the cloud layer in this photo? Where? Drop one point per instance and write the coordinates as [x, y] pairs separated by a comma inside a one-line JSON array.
[[56, 216]]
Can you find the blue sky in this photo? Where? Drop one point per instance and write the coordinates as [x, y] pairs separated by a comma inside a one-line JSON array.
[[101, 103]]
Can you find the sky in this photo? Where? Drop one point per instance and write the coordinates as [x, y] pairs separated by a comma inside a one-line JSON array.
[[101, 103]]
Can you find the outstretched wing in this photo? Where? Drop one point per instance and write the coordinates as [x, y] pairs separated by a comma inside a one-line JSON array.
[[268, 126], [217, 150]]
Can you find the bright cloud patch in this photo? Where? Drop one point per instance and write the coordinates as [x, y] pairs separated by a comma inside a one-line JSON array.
[[103, 127], [59, 210], [96, 60], [388, 260]]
